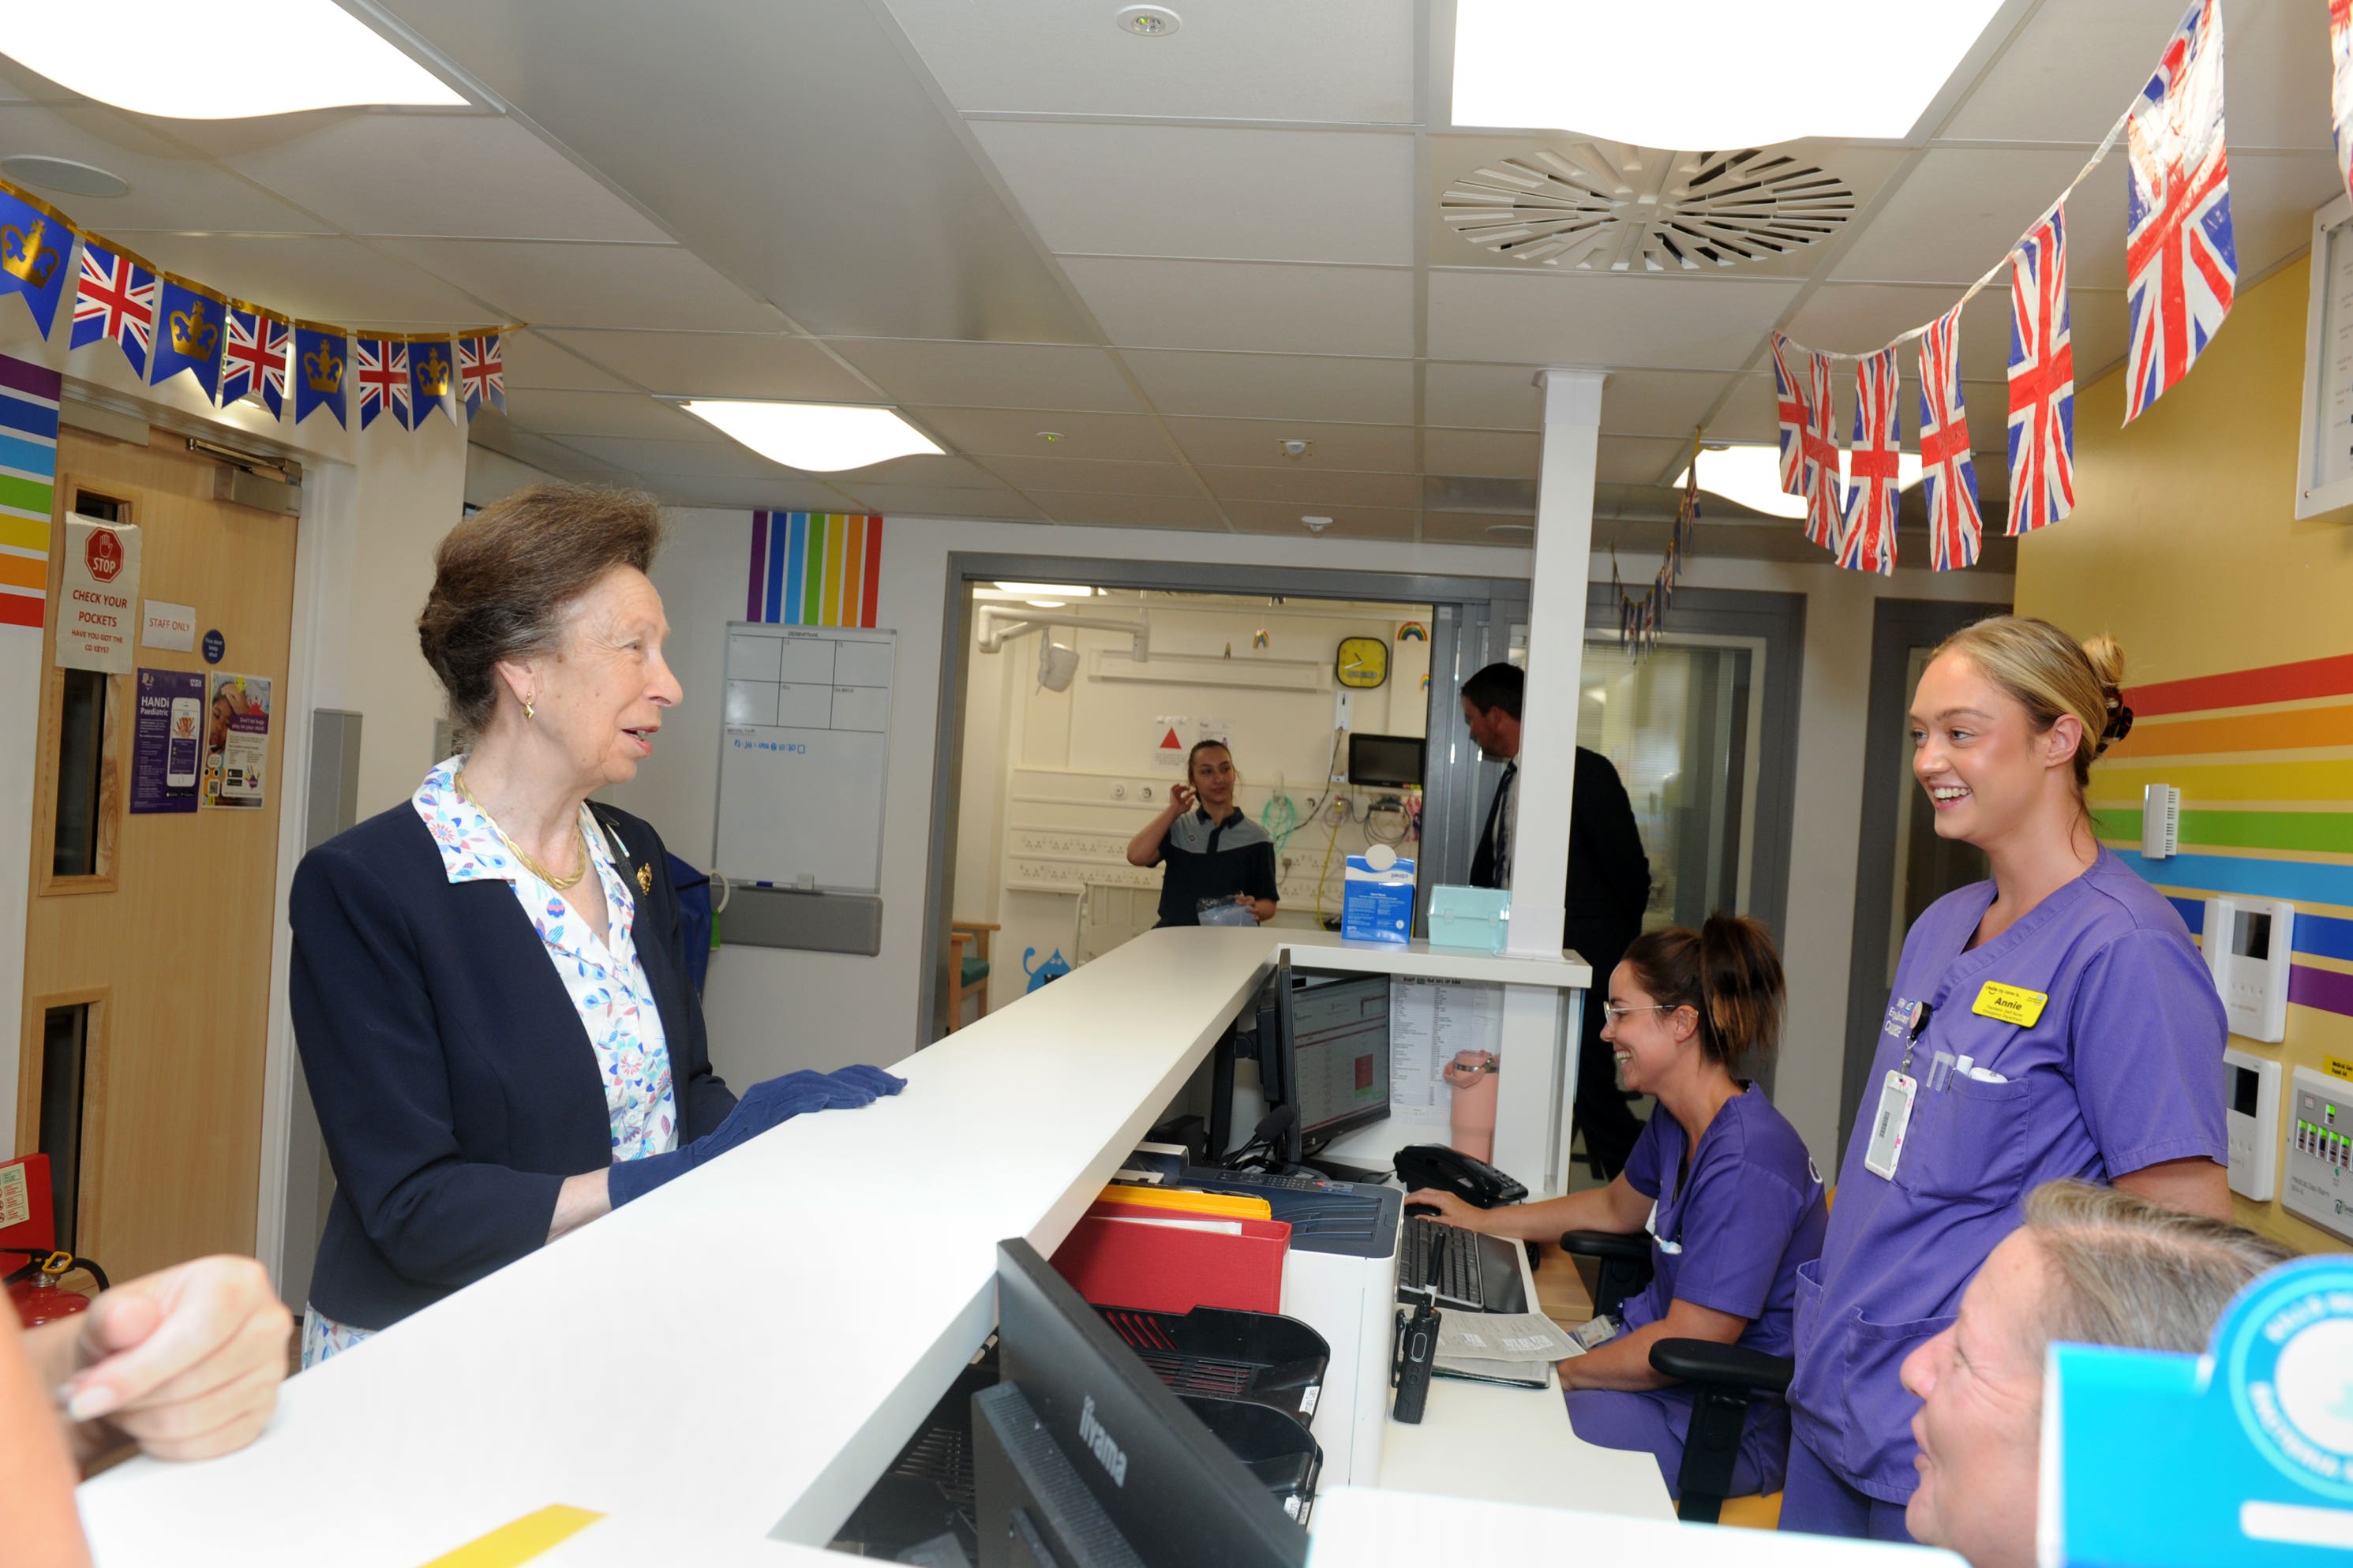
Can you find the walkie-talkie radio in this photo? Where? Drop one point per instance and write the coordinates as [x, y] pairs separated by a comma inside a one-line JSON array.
[[1417, 1348]]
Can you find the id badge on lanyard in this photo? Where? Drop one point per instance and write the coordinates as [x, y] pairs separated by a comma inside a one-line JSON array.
[[1897, 1096]]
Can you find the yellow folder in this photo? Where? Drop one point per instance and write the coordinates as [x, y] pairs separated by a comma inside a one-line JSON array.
[[1229, 1204]]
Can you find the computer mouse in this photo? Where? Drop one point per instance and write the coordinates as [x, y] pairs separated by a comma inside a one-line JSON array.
[[1412, 1209]]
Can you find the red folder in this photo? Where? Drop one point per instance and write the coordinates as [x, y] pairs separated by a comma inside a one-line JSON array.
[[1162, 1268]]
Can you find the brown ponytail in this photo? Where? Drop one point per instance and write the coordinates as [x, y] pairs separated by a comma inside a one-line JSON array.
[[1727, 972]]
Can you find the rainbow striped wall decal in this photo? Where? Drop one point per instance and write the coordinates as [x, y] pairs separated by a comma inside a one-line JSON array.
[[28, 474], [2263, 759], [815, 569]]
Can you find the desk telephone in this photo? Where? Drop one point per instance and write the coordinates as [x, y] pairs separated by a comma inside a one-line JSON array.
[[1476, 1182]]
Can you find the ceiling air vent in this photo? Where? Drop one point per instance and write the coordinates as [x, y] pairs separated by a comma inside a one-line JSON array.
[[1585, 207]]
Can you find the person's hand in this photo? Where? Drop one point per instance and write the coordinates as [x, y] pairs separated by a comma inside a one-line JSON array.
[[184, 1362], [1451, 1210], [874, 1080], [1566, 1368], [764, 1105], [1180, 799]]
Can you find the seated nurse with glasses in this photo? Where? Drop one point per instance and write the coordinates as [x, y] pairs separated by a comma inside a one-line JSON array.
[[1720, 1179]]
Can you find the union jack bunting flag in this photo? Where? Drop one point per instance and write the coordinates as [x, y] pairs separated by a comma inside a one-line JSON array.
[[253, 362], [1789, 398], [115, 298], [1823, 524], [380, 365], [2180, 262], [1947, 471], [482, 370], [2340, 88], [2042, 379], [1873, 461]]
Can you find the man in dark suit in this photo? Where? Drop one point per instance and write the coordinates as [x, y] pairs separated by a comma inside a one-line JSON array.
[[1608, 885]]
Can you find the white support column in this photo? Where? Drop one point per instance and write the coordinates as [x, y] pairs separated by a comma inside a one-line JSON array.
[[1539, 1056]]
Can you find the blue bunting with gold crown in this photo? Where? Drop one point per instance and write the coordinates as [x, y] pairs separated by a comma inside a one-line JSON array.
[[432, 372], [321, 356], [189, 336], [35, 246]]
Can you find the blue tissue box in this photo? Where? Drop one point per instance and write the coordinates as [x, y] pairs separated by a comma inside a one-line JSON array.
[[1376, 903], [1477, 919]]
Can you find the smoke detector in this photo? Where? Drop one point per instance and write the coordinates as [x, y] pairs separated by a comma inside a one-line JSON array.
[[1617, 208], [1316, 524]]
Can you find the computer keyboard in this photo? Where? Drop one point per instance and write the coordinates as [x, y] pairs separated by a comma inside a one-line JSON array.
[[1445, 1255]]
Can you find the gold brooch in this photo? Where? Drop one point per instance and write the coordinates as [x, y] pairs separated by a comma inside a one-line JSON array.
[[645, 879]]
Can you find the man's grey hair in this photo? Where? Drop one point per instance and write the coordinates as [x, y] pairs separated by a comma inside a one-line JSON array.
[[2125, 1271]]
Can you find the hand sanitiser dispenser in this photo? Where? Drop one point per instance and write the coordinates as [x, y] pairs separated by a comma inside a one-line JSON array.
[[2247, 943]]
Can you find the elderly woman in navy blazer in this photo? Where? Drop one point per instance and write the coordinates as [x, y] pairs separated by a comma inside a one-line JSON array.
[[488, 988]]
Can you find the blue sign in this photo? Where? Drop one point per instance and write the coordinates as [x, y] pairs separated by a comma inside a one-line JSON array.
[[214, 646], [2243, 1456]]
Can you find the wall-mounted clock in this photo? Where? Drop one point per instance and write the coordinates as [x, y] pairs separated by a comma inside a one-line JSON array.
[[1362, 662]]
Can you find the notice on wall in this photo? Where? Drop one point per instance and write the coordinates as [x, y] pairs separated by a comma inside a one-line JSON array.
[[1174, 736], [167, 739], [97, 601], [172, 627], [237, 742], [1431, 1023]]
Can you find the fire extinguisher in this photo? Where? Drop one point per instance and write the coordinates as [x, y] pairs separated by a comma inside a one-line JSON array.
[[34, 1292]]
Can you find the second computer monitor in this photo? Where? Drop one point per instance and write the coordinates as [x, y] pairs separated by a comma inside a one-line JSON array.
[[1337, 1071]]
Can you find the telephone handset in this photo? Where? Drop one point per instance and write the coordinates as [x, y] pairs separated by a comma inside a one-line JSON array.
[[1476, 1182]]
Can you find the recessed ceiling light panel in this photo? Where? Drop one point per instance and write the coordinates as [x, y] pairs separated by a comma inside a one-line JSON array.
[[1149, 21], [1627, 208], [63, 174], [818, 437], [323, 57], [1751, 477]]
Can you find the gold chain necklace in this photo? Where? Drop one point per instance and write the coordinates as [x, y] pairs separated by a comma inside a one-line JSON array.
[[561, 884]]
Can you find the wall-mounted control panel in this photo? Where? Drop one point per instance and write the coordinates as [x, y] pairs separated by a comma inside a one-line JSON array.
[[2250, 1105], [2247, 943], [2320, 1179]]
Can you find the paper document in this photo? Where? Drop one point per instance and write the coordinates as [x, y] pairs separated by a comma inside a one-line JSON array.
[[1214, 1227], [1414, 1083], [1518, 1373], [1504, 1336]]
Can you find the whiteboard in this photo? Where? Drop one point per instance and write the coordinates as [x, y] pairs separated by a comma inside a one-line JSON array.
[[2324, 480], [804, 752]]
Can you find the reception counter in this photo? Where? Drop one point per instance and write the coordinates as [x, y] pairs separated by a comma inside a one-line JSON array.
[[747, 1348]]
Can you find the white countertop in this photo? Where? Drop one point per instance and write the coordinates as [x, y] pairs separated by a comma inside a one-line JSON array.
[[1328, 949]]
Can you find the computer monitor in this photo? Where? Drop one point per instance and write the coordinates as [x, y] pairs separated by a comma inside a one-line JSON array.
[[1338, 1074], [1390, 760], [1083, 1457]]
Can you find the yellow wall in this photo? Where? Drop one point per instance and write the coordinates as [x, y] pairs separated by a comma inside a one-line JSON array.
[[2184, 545]]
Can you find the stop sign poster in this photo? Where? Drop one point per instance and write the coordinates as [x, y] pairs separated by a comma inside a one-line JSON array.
[[98, 605]]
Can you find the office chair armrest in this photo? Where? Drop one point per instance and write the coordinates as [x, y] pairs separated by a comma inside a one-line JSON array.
[[1631, 1248], [1729, 1366]]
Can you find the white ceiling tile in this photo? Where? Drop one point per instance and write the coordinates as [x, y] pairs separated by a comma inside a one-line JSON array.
[[319, 278], [1663, 323], [472, 175], [2074, 68], [709, 460], [1016, 433], [991, 375], [492, 430], [2272, 204], [745, 493], [1383, 448], [632, 413], [1274, 195], [1490, 396], [1852, 317], [1303, 488], [721, 364], [1478, 528], [1962, 209], [1258, 306], [1232, 59], [937, 471], [1026, 473], [944, 500], [1658, 402], [653, 287], [533, 361], [2277, 97], [1639, 459], [1267, 387], [1347, 522], [1498, 454], [1133, 511], [171, 187]]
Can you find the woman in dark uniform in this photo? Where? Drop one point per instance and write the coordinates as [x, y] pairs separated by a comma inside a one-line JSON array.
[[1214, 852]]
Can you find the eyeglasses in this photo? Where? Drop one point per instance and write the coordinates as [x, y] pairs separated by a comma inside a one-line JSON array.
[[1611, 1012]]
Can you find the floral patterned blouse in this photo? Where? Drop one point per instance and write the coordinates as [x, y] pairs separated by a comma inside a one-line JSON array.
[[607, 985]]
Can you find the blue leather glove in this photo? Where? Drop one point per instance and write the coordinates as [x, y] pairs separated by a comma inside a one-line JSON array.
[[874, 1080], [764, 1105]]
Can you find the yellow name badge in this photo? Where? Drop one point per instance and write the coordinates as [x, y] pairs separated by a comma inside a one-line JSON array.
[[2009, 1004]]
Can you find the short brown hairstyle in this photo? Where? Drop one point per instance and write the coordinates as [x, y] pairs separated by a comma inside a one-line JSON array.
[[1728, 973], [504, 577]]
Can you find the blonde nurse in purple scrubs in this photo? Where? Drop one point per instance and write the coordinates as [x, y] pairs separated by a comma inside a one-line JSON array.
[[2055, 1023]]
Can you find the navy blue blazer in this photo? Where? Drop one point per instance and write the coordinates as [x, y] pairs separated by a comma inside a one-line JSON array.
[[456, 1086]]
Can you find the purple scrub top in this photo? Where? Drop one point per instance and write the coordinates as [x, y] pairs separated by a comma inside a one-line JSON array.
[[1744, 1217], [2120, 1070]]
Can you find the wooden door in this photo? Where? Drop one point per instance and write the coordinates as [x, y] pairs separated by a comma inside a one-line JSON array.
[[147, 940]]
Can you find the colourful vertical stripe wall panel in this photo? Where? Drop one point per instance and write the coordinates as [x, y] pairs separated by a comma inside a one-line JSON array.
[[814, 569], [2263, 759], [28, 480]]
